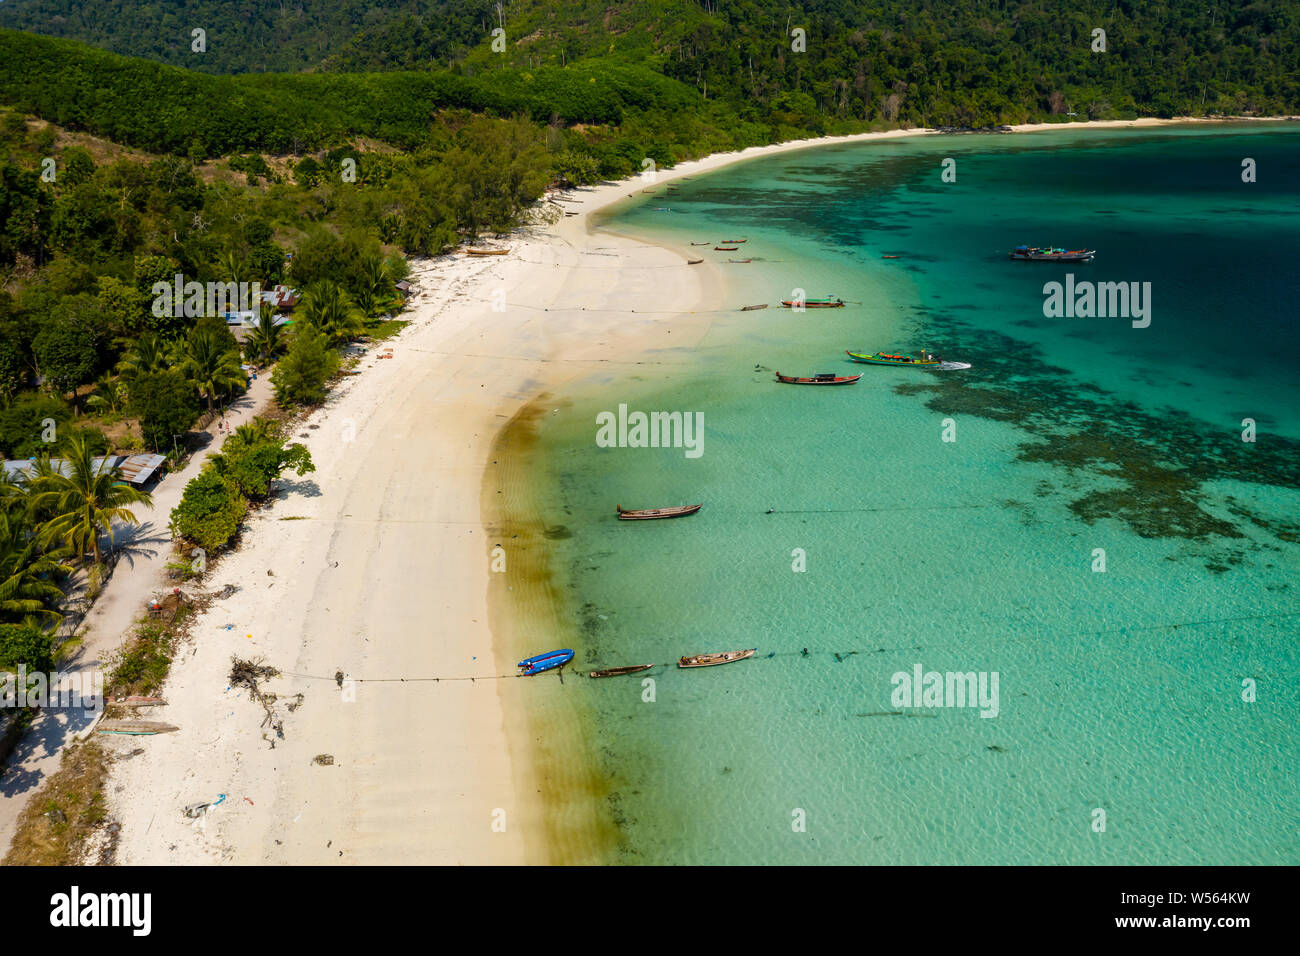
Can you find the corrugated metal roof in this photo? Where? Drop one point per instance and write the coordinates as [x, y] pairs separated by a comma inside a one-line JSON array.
[[136, 469]]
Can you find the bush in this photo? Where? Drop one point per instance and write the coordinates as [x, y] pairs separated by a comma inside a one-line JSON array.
[[25, 644], [166, 406], [23, 424], [251, 461], [300, 377], [210, 511]]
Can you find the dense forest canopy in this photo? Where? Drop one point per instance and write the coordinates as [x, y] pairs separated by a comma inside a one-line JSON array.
[[925, 62]]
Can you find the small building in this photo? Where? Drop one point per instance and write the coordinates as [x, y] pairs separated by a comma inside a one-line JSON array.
[[138, 470]]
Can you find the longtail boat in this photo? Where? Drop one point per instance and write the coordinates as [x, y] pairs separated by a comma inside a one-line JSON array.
[[708, 660], [732, 242], [726, 248], [649, 514], [822, 378], [883, 358], [753, 308], [544, 662], [889, 257], [1049, 254], [486, 252], [704, 243], [925, 361], [620, 671], [826, 302]]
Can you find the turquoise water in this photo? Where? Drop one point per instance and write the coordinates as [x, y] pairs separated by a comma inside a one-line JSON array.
[[1118, 690]]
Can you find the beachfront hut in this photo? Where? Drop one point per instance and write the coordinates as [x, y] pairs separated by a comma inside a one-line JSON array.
[[137, 470]]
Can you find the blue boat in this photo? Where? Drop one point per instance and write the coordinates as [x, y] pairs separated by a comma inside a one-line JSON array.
[[544, 662]]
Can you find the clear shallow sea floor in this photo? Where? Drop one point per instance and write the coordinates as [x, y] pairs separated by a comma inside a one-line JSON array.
[[1118, 690]]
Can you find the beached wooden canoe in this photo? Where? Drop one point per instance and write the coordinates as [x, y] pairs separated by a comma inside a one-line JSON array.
[[139, 728], [486, 252], [620, 671], [704, 243], [709, 660], [822, 378], [693, 262], [753, 308], [649, 514]]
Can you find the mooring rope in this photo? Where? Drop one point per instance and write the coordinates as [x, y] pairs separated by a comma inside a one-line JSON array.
[[839, 656]]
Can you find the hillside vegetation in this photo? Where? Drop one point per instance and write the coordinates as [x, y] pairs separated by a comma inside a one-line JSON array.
[[928, 62]]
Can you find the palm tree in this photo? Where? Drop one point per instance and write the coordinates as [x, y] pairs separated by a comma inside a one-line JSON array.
[[266, 338], [108, 396], [84, 502], [375, 283], [232, 266], [25, 589], [210, 363], [149, 354], [326, 307]]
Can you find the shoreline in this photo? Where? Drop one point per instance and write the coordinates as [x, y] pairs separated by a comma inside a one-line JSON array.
[[386, 576]]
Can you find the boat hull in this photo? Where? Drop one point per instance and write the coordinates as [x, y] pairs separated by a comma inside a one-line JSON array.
[[620, 671], [712, 660], [877, 359], [544, 662], [655, 514], [817, 380]]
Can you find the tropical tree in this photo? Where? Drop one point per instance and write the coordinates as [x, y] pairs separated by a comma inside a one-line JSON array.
[[327, 308], [84, 502], [148, 355], [209, 362], [109, 395], [300, 377], [266, 339], [26, 591], [373, 284], [232, 266]]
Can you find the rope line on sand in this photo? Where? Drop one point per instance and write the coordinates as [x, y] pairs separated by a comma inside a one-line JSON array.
[[840, 656]]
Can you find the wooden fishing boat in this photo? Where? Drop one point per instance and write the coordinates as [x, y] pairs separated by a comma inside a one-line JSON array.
[[732, 242], [726, 248], [709, 660], [650, 514], [704, 243], [825, 302], [693, 262], [486, 252], [883, 358], [1050, 254], [620, 671], [135, 728], [821, 378], [740, 260], [544, 662], [753, 308], [889, 257]]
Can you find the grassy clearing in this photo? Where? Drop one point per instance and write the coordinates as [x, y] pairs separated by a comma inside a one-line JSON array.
[[56, 825], [379, 331]]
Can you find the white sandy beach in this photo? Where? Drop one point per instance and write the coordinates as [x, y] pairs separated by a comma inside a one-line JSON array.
[[384, 576]]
